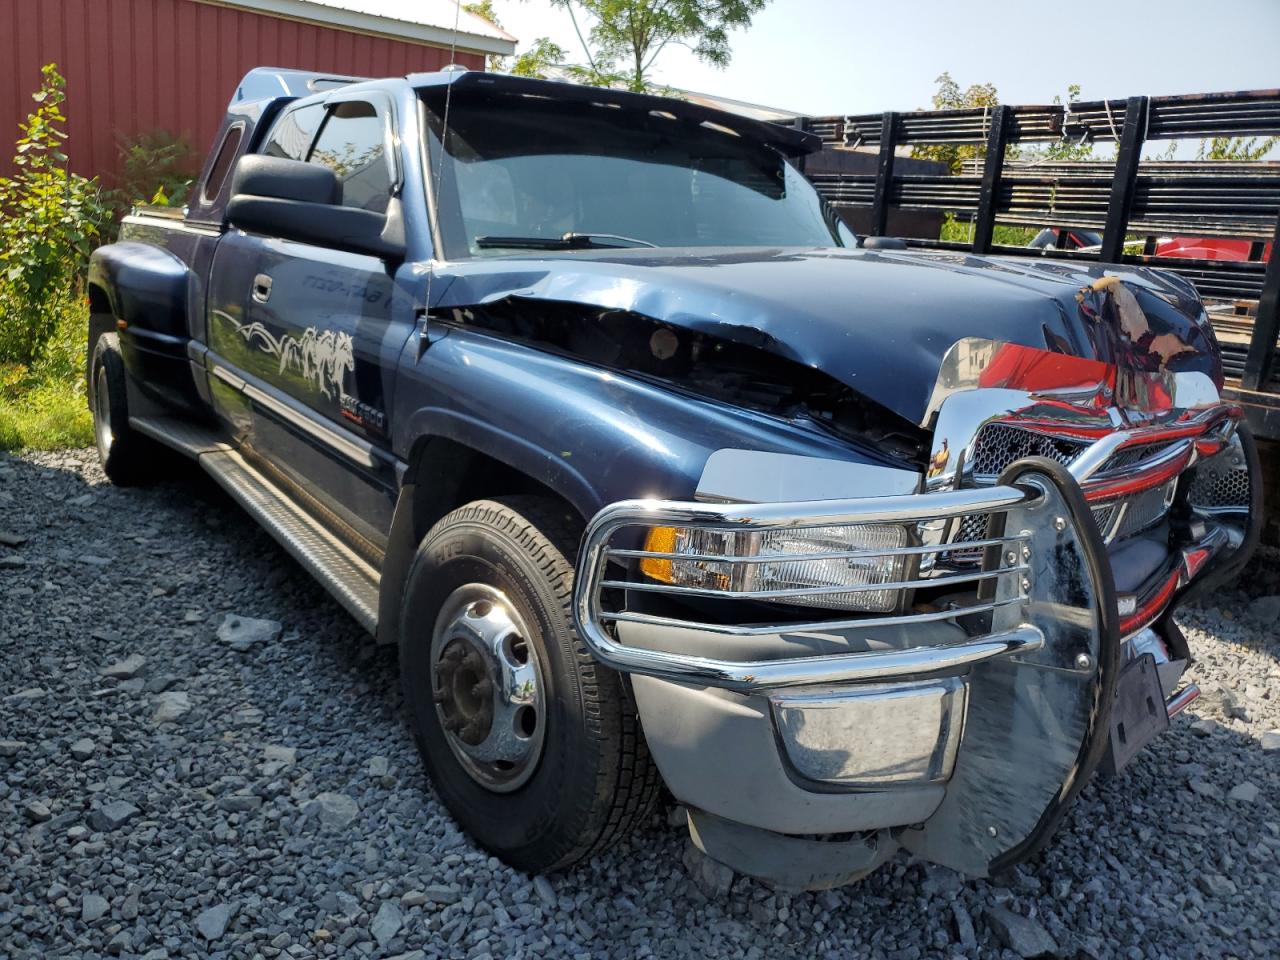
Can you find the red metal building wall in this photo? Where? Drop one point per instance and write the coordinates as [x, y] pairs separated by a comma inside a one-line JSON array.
[[133, 66]]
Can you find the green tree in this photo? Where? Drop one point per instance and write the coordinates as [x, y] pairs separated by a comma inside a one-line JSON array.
[[535, 61], [983, 96], [484, 10], [1235, 148], [949, 96], [1063, 149], [623, 39]]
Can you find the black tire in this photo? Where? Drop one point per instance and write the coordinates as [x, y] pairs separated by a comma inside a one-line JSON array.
[[127, 457], [594, 779]]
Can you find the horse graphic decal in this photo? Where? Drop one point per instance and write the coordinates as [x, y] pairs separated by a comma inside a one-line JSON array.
[[323, 357]]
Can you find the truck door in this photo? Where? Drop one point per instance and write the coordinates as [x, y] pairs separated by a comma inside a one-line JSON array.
[[311, 330]]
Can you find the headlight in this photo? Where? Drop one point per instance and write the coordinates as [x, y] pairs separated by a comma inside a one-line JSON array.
[[789, 559]]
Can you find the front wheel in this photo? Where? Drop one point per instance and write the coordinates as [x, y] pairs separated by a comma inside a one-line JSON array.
[[534, 747]]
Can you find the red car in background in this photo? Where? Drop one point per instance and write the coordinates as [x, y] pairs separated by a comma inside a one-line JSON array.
[[1190, 248]]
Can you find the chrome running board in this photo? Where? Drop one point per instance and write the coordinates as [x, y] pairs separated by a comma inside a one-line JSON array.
[[193, 439], [351, 581]]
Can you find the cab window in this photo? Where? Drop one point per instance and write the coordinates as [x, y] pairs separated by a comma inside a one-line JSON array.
[[352, 143]]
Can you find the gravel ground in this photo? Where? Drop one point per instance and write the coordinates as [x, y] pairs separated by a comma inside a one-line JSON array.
[[165, 794]]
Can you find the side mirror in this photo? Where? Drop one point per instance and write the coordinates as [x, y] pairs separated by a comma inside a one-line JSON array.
[[301, 201], [884, 243]]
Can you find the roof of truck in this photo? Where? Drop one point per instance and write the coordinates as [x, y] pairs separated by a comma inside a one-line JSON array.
[[787, 138], [430, 21]]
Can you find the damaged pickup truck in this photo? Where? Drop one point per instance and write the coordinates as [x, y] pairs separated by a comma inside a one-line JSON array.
[[654, 475]]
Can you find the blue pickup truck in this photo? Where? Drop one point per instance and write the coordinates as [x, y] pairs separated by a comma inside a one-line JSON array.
[[657, 474]]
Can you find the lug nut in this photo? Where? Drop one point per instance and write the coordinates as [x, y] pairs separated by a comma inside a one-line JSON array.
[[1084, 661], [1011, 558], [1059, 524], [1026, 584], [1026, 553]]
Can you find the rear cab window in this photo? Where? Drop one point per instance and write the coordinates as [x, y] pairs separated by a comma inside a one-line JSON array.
[[294, 132], [227, 152]]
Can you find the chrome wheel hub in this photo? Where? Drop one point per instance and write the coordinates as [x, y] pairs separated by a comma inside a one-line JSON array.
[[487, 684], [102, 415]]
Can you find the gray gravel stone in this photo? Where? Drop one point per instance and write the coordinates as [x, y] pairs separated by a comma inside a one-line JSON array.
[[1266, 609], [1206, 727], [120, 943], [334, 810], [441, 894], [244, 633], [1022, 935], [10, 748], [93, 907], [125, 669], [964, 925], [286, 755], [1216, 885], [112, 816], [1245, 792], [1205, 789], [239, 803], [82, 749], [37, 811], [712, 879], [386, 924], [171, 706], [212, 923], [1271, 741], [546, 893]]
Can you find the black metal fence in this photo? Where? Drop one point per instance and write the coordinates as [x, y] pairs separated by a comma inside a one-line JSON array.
[[1127, 196]]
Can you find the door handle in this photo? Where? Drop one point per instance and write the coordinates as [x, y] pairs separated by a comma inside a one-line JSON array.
[[261, 287]]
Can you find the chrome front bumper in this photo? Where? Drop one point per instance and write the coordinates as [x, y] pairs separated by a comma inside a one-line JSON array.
[[839, 722]]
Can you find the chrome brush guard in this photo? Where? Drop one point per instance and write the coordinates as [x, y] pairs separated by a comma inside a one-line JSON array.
[[1001, 589]]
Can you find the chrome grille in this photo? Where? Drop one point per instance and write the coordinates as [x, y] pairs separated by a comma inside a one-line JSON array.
[[1221, 483], [972, 528], [1104, 516], [1145, 509], [999, 444], [1135, 454]]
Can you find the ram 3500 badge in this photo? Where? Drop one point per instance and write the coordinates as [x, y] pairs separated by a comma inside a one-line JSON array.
[[584, 400]]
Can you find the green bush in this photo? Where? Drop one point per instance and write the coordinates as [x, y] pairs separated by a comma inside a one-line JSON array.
[[155, 167], [1003, 235], [50, 219], [43, 405]]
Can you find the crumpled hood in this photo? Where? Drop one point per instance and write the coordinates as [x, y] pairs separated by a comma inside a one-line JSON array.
[[878, 321]]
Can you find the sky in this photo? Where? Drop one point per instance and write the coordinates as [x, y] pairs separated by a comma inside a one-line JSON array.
[[820, 57]]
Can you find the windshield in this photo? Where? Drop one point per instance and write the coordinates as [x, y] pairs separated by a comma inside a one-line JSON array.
[[524, 173]]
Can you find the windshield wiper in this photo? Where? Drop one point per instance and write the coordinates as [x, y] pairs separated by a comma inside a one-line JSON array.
[[570, 241]]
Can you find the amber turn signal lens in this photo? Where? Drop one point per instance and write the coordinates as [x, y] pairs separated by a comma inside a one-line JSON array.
[[659, 540]]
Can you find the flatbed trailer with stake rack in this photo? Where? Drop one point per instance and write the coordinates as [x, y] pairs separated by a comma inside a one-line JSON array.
[[1122, 199]]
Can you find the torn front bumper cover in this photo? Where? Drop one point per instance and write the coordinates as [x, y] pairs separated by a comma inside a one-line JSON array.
[[808, 749]]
